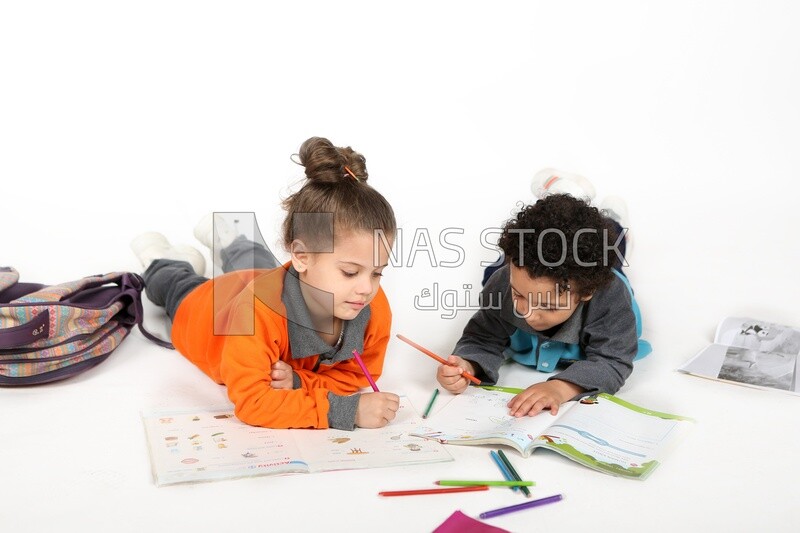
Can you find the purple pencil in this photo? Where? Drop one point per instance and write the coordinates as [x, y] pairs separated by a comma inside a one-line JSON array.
[[521, 506]]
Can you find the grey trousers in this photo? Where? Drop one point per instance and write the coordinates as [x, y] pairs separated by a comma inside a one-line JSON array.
[[167, 281]]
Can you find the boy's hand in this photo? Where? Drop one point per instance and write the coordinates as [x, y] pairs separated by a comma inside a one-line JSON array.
[[281, 375], [450, 377], [376, 409], [547, 395]]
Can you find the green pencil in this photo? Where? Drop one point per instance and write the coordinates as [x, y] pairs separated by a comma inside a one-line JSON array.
[[461, 483], [512, 390], [430, 403], [513, 472]]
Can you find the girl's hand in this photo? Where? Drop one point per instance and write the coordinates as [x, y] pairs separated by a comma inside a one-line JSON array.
[[376, 409], [282, 376], [450, 377], [547, 395]]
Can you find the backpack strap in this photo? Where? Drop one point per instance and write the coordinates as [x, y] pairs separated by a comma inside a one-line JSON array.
[[35, 329], [133, 284]]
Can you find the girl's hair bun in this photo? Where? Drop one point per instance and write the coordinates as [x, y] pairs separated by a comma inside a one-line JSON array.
[[326, 163], [335, 185]]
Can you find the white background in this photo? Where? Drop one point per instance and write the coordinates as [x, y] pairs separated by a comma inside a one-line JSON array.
[[117, 118]]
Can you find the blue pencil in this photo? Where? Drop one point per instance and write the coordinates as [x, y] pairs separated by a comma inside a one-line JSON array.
[[501, 465], [513, 472]]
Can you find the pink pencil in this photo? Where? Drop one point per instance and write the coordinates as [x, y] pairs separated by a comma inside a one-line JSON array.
[[366, 372]]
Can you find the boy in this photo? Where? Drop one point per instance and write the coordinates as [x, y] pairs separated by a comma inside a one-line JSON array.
[[558, 297]]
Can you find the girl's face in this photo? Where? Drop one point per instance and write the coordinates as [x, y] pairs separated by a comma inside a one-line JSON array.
[[539, 301], [343, 282]]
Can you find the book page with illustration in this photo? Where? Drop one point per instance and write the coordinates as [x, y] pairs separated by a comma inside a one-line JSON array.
[[602, 432], [750, 352], [211, 444]]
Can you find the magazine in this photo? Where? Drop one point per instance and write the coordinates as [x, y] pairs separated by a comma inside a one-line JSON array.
[[750, 352], [212, 444], [602, 432]]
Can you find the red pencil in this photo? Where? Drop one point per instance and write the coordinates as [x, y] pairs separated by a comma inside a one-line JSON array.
[[420, 492], [429, 353]]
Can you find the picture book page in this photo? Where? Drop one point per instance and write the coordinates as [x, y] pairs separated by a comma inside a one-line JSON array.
[[758, 335], [753, 353], [611, 435], [391, 445], [481, 416], [209, 444]]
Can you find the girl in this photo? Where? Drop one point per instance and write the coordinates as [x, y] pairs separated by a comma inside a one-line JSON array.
[[281, 338]]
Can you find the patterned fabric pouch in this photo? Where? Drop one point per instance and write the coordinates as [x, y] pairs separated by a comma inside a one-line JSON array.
[[49, 333]]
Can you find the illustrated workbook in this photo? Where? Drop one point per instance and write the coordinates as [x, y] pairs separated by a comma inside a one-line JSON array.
[[750, 352], [602, 432], [212, 444]]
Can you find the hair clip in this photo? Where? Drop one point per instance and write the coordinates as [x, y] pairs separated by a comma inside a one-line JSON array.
[[351, 173]]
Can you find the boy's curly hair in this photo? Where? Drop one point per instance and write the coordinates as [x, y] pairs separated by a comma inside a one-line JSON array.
[[541, 238]]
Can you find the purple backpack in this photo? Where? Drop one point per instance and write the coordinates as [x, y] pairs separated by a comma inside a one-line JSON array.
[[49, 333]]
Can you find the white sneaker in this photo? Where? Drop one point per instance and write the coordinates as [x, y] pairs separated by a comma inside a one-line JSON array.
[[205, 230], [215, 233], [615, 208], [553, 181], [153, 245]]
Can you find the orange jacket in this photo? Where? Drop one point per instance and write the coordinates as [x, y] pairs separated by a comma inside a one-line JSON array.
[[243, 362]]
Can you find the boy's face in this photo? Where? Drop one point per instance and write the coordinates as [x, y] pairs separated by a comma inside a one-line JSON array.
[[540, 301], [343, 282]]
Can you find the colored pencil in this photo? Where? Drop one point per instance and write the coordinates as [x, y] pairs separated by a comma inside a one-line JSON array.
[[366, 372], [512, 390], [465, 483], [420, 492], [521, 506], [429, 353], [513, 472], [503, 468], [430, 403]]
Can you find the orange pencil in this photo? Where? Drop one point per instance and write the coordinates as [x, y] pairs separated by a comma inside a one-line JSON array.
[[429, 353]]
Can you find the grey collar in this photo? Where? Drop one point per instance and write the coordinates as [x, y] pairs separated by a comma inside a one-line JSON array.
[[304, 339]]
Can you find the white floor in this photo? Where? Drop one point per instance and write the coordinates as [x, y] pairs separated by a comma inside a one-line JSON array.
[[119, 119]]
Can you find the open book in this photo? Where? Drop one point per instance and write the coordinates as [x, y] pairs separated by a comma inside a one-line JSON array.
[[602, 432], [750, 352], [212, 444]]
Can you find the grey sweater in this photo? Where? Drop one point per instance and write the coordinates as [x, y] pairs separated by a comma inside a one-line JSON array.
[[604, 328]]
